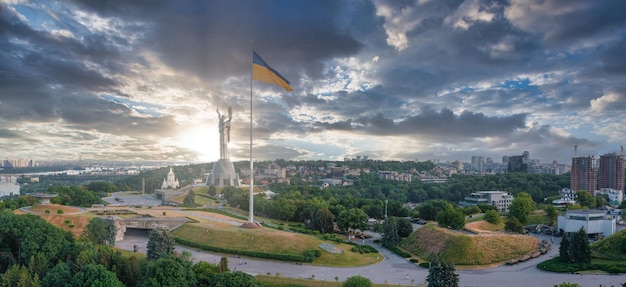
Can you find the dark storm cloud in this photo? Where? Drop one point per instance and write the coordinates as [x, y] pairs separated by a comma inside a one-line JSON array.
[[434, 124], [213, 39], [614, 57], [606, 16]]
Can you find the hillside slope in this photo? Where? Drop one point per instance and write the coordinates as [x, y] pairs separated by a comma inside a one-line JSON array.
[[462, 249]]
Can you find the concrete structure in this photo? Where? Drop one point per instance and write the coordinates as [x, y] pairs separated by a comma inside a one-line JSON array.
[[594, 222], [500, 199], [611, 171], [583, 174], [148, 223], [44, 198], [223, 173]]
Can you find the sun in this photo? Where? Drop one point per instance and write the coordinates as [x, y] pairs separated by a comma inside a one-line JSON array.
[[202, 140]]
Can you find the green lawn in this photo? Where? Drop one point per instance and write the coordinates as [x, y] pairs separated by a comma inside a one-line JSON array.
[[271, 241]]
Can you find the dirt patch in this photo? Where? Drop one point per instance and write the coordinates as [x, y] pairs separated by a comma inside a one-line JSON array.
[[73, 223], [484, 227]]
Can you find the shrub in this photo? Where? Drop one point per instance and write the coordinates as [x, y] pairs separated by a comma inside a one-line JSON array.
[[47, 211], [59, 211], [67, 221]]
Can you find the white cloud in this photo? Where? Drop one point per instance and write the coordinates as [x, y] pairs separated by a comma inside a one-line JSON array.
[[467, 14], [397, 23], [606, 102]]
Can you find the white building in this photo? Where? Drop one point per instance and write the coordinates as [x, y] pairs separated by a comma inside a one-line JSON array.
[[592, 221], [567, 198], [170, 181], [615, 196], [500, 199]]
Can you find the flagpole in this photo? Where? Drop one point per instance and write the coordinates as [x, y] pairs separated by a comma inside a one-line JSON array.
[[251, 209]]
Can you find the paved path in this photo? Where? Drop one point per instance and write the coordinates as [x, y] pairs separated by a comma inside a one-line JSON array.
[[394, 269]]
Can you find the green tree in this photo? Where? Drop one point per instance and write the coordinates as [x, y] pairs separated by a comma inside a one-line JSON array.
[[237, 278], [204, 272], [521, 207], [405, 227], [390, 232], [59, 276], [102, 188], [223, 265], [26, 235], [95, 275], [551, 212], [564, 249], [451, 217], [101, 231], [169, 271], [486, 207], [38, 265], [18, 276], [324, 220], [429, 209], [579, 247], [441, 274], [352, 219], [512, 224], [357, 281], [212, 190], [472, 210], [160, 244], [585, 199], [493, 217], [190, 199]]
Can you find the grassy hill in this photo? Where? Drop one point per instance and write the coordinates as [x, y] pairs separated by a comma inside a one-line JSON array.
[[612, 247], [463, 249]]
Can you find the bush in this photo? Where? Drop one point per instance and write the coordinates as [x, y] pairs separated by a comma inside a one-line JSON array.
[[357, 281], [414, 260], [492, 217], [47, 211], [67, 221], [59, 211], [425, 264], [363, 249]]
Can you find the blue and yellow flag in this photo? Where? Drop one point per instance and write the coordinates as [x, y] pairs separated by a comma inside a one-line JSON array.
[[261, 71]]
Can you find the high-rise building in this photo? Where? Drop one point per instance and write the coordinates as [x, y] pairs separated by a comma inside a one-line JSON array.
[[478, 163], [583, 174], [611, 171], [517, 164]]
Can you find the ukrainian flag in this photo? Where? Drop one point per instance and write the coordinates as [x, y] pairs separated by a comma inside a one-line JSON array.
[[261, 71]]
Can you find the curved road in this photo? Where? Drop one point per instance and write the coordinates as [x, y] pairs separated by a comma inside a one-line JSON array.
[[394, 269]]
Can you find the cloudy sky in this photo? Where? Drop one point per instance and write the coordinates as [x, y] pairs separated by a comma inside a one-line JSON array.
[[412, 79]]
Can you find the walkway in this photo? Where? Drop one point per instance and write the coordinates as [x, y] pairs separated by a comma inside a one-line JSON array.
[[394, 269]]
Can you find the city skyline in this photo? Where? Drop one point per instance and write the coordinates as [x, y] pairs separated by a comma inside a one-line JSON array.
[[443, 80]]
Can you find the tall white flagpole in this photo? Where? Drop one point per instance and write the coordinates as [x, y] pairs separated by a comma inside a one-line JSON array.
[[251, 215]]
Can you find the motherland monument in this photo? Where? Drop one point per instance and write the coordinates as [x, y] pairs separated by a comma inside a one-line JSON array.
[[223, 173]]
